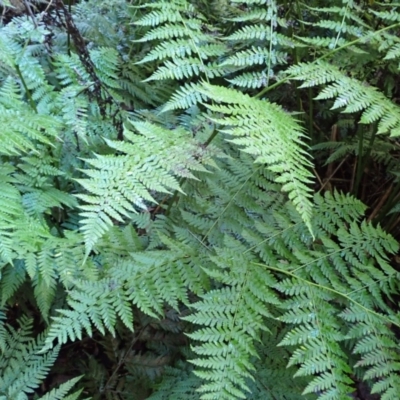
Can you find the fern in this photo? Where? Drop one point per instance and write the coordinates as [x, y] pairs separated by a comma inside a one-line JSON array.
[[191, 49], [22, 370], [147, 280], [140, 170], [240, 106], [236, 343], [350, 95], [264, 45], [157, 196]]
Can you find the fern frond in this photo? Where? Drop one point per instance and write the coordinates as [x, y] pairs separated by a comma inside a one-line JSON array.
[[186, 68], [330, 43], [146, 279], [254, 56], [167, 11], [378, 350], [22, 126], [107, 64], [187, 96], [252, 80], [392, 16], [229, 334], [180, 383], [261, 128], [351, 95], [190, 46], [22, 370], [140, 172], [181, 49], [61, 392]]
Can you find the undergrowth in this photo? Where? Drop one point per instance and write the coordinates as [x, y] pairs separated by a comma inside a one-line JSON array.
[[199, 199]]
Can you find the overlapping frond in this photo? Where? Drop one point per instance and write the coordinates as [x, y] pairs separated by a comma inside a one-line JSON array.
[[319, 279], [118, 209], [148, 280]]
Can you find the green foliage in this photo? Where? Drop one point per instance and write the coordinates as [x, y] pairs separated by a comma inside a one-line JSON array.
[[158, 202], [22, 369]]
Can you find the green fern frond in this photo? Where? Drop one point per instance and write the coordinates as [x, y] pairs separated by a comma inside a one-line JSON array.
[[392, 16], [186, 96], [228, 336], [378, 351], [107, 64], [350, 94], [186, 68], [181, 49], [248, 120], [178, 384], [252, 80], [320, 274], [338, 27], [22, 370], [140, 171], [167, 11], [23, 127], [61, 392], [170, 31], [254, 56], [190, 46], [330, 43], [13, 276], [148, 280], [319, 336]]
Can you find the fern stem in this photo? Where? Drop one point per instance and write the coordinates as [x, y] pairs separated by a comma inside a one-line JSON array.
[[325, 256], [68, 31], [174, 197], [371, 142], [273, 6], [393, 198], [123, 358], [363, 159], [271, 237], [299, 15], [382, 200], [211, 137], [393, 222], [297, 84], [341, 26], [27, 91], [360, 162], [310, 114], [327, 180]]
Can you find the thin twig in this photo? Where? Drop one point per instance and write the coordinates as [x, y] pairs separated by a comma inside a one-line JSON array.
[[122, 360], [353, 175], [48, 6], [318, 177], [380, 204], [333, 173], [30, 12]]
